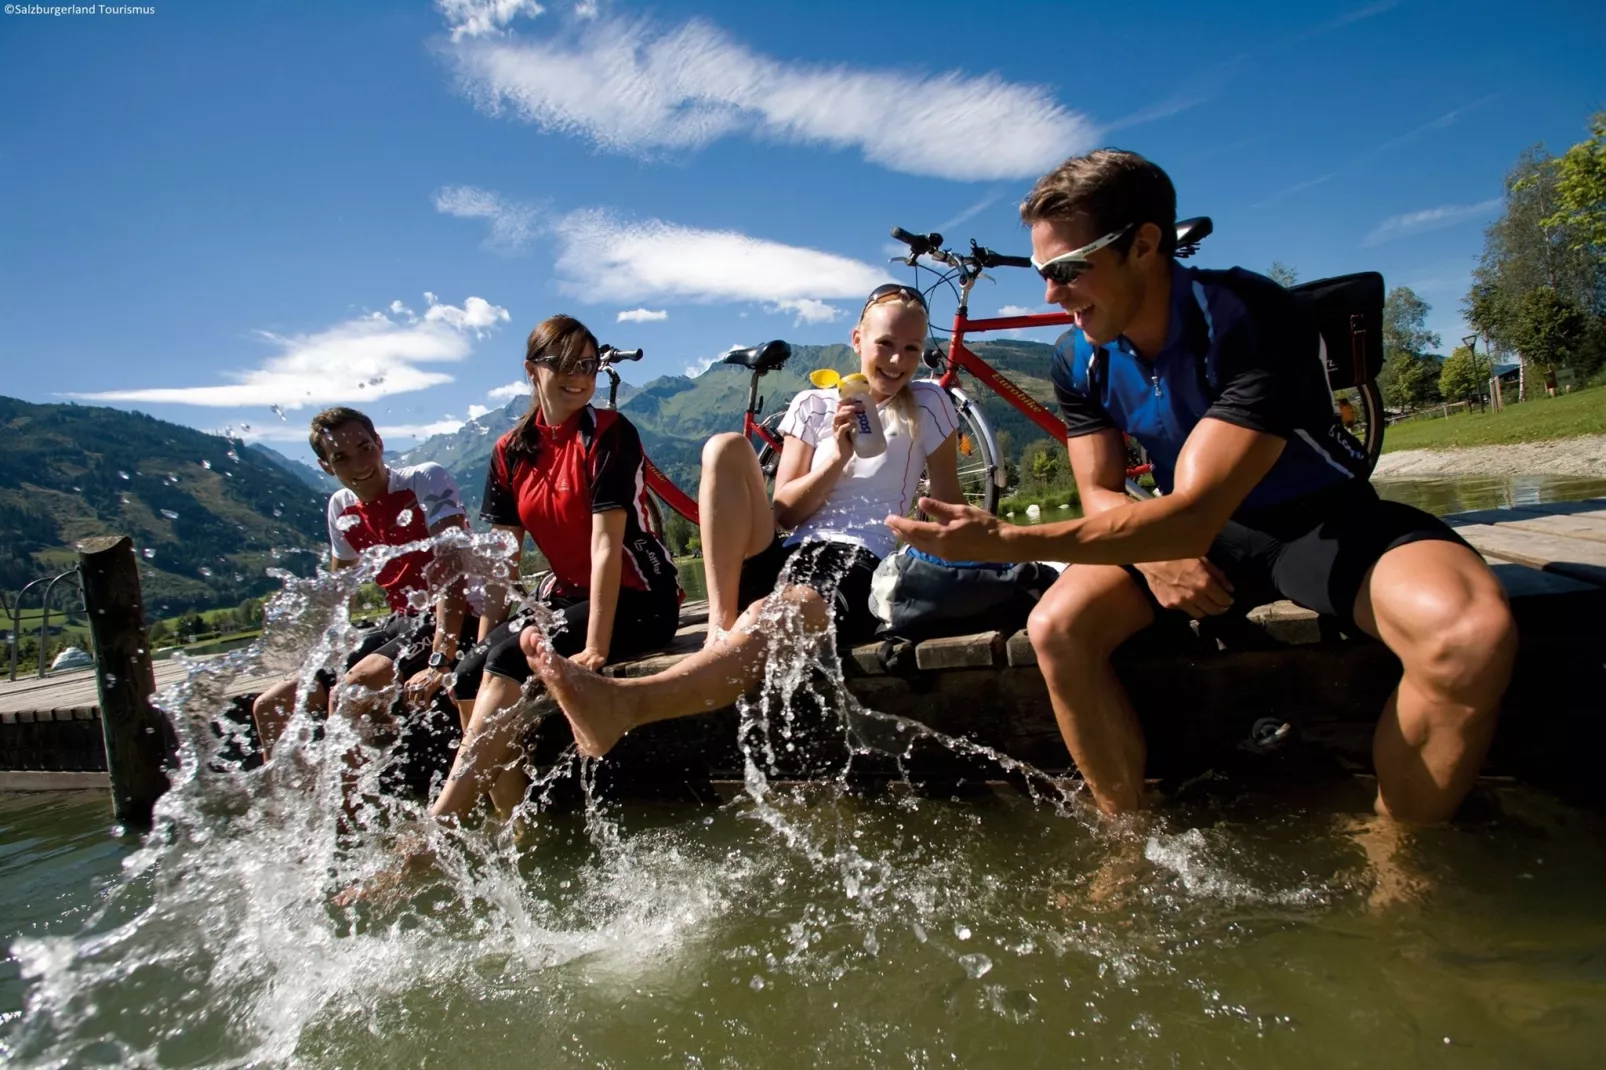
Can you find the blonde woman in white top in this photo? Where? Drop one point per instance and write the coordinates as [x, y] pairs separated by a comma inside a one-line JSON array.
[[833, 503]]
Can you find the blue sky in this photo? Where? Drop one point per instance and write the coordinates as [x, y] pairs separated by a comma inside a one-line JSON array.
[[216, 211]]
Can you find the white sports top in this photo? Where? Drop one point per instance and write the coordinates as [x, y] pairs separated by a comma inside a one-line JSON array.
[[869, 489]]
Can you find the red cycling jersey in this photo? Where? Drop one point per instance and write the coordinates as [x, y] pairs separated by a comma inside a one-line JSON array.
[[591, 463], [418, 498]]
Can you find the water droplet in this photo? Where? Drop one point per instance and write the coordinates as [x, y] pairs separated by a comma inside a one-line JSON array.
[[78, 490], [277, 411], [231, 455], [207, 465], [111, 679], [976, 965], [122, 474], [278, 512], [169, 514], [206, 572], [756, 984], [347, 522], [148, 552], [962, 931], [404, 518]]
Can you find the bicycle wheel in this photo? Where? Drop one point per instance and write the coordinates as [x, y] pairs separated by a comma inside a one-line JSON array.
[[1360, 410], [978, 459]]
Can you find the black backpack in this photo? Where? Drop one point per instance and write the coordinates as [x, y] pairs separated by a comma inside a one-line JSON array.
[[1348, 310]]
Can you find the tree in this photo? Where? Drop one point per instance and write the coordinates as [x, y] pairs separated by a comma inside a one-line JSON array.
[[1282, 274], [1581, 190], [1410, 377], [1462, 375], [1548, 330]]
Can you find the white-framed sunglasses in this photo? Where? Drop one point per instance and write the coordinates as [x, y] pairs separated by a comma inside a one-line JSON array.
[[1066, 268]]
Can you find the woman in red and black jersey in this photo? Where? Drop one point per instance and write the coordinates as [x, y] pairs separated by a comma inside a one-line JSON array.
[[572, 477]]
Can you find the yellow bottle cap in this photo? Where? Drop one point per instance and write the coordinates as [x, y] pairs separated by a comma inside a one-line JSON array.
[[824, 378]]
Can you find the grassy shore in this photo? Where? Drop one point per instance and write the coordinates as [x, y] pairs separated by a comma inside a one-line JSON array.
[[1580, 413]]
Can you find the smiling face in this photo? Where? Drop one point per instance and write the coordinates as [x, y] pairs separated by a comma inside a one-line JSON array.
[[890, 339], [561, 393], [1109, 295], [355, 456]]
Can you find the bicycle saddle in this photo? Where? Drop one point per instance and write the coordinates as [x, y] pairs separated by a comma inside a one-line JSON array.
[[1190, 232], [764, 358]]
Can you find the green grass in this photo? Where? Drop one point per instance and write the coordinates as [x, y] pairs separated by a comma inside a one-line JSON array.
[[1580, 413]]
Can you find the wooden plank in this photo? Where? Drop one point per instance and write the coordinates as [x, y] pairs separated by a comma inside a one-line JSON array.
[[37, 780], [981, 651], [1580, 559]]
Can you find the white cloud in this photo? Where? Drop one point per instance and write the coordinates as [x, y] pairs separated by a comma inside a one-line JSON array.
[[603, 257], [518, 388], [808, 310], [587, 9], [361, 359], [633, 87], [484, 18], [641, 315], [1400, 226], [702, 364], [1020, 310], [444, 426], [513, 223], [476, 411]]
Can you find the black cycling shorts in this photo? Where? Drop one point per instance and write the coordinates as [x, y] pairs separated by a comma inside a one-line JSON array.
[[643, 621], [839, 571], [1315, 550], [405, 638]]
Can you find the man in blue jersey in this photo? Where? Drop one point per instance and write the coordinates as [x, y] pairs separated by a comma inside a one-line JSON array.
[[1217, 374]]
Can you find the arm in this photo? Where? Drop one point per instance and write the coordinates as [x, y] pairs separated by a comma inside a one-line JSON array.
[[607, 561], [452, 604], [497, 603], [1219, 465], [1098, 462], [942, 472], [800, 489]]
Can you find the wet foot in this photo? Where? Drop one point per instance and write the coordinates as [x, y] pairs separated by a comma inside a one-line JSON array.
[[595, 706], [387, 887]]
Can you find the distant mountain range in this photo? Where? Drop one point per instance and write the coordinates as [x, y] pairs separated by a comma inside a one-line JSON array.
[[676, 414], [206, 512]]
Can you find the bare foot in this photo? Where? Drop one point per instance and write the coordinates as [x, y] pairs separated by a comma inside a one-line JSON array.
[[1395, 883], [386, 887], [597, 709]]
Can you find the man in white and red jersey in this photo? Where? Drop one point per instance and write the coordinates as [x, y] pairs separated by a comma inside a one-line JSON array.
[[379, 506]]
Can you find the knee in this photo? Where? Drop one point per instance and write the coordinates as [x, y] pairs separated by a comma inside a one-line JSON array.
[[721, 450], [1467, 650], [1058, 625]]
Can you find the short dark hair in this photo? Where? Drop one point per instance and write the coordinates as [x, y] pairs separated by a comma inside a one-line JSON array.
[[325, 423], [1110, 188]]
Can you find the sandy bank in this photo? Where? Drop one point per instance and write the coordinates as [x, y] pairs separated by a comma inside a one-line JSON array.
[[1584, 455]]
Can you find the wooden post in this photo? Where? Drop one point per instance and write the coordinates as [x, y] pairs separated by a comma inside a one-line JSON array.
[[136, 735]]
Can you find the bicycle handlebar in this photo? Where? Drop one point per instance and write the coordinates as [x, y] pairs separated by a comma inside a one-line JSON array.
[[919, 244], [609, 355], [989, 259]]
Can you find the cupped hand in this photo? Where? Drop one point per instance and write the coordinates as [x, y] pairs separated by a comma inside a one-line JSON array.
[[954, 532], [1195, 585]]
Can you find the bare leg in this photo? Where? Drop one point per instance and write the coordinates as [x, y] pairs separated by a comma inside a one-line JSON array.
[[1442, 612], [489, 745], [465, 711], [601, 710], [362, 702], [1091, 610], [737, 522], [272, 710]]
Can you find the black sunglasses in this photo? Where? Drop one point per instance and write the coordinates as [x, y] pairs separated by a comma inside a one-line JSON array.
[[583, 366], [886, 290], [1068, 267]]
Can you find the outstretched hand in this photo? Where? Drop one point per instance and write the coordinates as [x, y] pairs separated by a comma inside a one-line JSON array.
[[954, 532]]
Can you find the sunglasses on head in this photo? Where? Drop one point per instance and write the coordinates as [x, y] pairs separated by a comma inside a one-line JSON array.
[[582, 366], [894, 289], [1068, 267]]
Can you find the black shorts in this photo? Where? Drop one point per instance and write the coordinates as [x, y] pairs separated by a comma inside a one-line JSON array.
[[839, 571], [1315, 550], [643, 621], [406, 639]]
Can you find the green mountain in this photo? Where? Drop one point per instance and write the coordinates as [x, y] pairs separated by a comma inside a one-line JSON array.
[[208, 515], [315, 478], [676, 414]]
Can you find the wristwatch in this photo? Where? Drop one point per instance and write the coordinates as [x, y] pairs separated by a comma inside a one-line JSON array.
[[437, 660]]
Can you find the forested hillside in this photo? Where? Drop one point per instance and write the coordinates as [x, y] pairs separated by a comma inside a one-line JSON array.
[[206, 512]]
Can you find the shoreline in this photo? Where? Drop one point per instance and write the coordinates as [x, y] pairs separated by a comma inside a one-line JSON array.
[[1580, 456]]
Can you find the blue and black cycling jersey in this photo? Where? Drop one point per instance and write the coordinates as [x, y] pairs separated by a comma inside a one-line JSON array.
[[1240, 349]]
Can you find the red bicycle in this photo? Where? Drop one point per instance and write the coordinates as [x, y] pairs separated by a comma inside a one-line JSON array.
[[760, 360], [1360, 407]]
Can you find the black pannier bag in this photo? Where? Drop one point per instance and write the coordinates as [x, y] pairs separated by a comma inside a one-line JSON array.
[[1348, 310]]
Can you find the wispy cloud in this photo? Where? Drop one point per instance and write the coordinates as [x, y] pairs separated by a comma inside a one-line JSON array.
[[702, 364], [518, 388], [1358, 14], [362, 359], [514, 224], [467, 19], [636, 87], [642, 315], [444, 426], [968, 214], [1448, 119], [1291, 190], [1019, 310], [1401, 226], [603, 256]]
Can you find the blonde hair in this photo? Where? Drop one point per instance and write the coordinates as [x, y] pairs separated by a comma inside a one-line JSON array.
[[904, 409]]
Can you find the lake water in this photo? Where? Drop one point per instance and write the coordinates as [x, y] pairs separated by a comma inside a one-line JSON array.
[[1246, 923]]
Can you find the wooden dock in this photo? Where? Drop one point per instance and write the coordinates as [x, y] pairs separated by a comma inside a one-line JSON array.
[[1200, 693]]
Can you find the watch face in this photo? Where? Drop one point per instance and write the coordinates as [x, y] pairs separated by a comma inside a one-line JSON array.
[[437, 660]]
